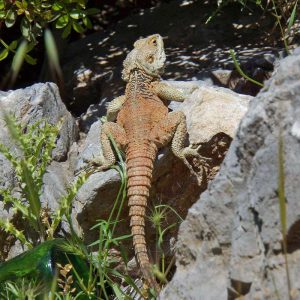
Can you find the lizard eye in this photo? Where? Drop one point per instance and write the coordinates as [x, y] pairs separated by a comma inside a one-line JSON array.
[[150, 59], [153, 42]]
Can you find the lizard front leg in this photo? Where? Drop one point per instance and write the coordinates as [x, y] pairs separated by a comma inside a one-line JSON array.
[[118, 134], [167, 92], [114, 107], [173, 128]]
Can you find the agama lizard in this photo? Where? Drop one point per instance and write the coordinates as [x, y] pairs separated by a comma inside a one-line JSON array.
[[144, 125]]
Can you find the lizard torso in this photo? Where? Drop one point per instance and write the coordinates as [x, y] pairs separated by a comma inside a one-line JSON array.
[[142, 107]]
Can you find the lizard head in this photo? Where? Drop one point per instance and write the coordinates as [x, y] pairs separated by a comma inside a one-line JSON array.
[[148, 54]]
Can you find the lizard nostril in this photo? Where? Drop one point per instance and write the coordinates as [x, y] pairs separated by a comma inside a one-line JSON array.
[[150, 59]]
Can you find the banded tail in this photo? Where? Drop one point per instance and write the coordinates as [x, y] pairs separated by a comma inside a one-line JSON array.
[[139, 160]]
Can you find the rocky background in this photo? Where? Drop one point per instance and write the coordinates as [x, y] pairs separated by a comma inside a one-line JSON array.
[[230, 245]]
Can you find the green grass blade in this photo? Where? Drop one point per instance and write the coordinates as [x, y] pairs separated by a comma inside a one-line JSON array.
[[282, 206], [52, 52], [241, 72], [18, 60], [30, 190], [292, 17], [11, 229], [281, 188]]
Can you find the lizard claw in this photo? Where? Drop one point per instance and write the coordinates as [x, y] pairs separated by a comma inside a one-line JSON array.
[[103, 119], [93, 166], [193, 152]]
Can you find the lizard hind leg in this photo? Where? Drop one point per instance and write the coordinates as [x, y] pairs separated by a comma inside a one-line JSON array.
[[173, 128], [119, 135]]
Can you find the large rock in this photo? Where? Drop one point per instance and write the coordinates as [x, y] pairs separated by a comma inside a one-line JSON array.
[[38, 102], [230, 245]]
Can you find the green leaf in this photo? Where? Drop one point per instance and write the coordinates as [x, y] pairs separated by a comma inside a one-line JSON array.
[[30, 46], [18, 59], [26, 28], [2, 4], [37, 29], [62, 21], [25, 3], [4, 54], [77, 27], [87, 22], [46, 5], [13, 45], [76, 14], [19, 4], [292, 17], [52, 51], [57, 6], [92, 11], [81, 3], [67, 31], [117, 291], [30, 190], [10, 18], [29, 59]]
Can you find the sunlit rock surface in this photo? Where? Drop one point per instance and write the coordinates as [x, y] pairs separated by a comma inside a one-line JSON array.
[[230, 244]]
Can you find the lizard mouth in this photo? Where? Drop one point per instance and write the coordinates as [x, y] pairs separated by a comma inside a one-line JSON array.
[[161, 70]]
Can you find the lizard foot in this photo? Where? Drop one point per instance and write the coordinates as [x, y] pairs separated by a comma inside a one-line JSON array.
[[204, 161], [95, 165]]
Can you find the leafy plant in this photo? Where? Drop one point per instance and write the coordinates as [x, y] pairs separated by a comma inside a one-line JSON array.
[[33, 16], [22, 289], [158, 218], [99, 279], [35, 145]]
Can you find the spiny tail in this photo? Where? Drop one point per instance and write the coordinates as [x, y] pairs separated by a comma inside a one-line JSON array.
[[140, 158]]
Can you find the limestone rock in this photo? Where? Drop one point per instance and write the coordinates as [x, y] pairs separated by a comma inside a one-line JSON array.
[[211, 110], [40, 101], [229, 246], [29, 105]]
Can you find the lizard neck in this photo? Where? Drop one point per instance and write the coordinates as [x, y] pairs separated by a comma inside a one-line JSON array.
[[139, 85]]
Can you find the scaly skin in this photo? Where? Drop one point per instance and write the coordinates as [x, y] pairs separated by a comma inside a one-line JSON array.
[[143, 126]]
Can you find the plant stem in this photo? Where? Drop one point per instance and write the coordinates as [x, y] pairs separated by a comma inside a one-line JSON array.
[[241, 72], [282, 206]]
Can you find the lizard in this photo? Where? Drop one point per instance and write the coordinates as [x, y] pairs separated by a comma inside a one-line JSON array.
[[140, 124]]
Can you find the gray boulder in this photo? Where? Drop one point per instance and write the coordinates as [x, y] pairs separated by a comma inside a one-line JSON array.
[[29, 105], [230, 245], [40, 101]]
